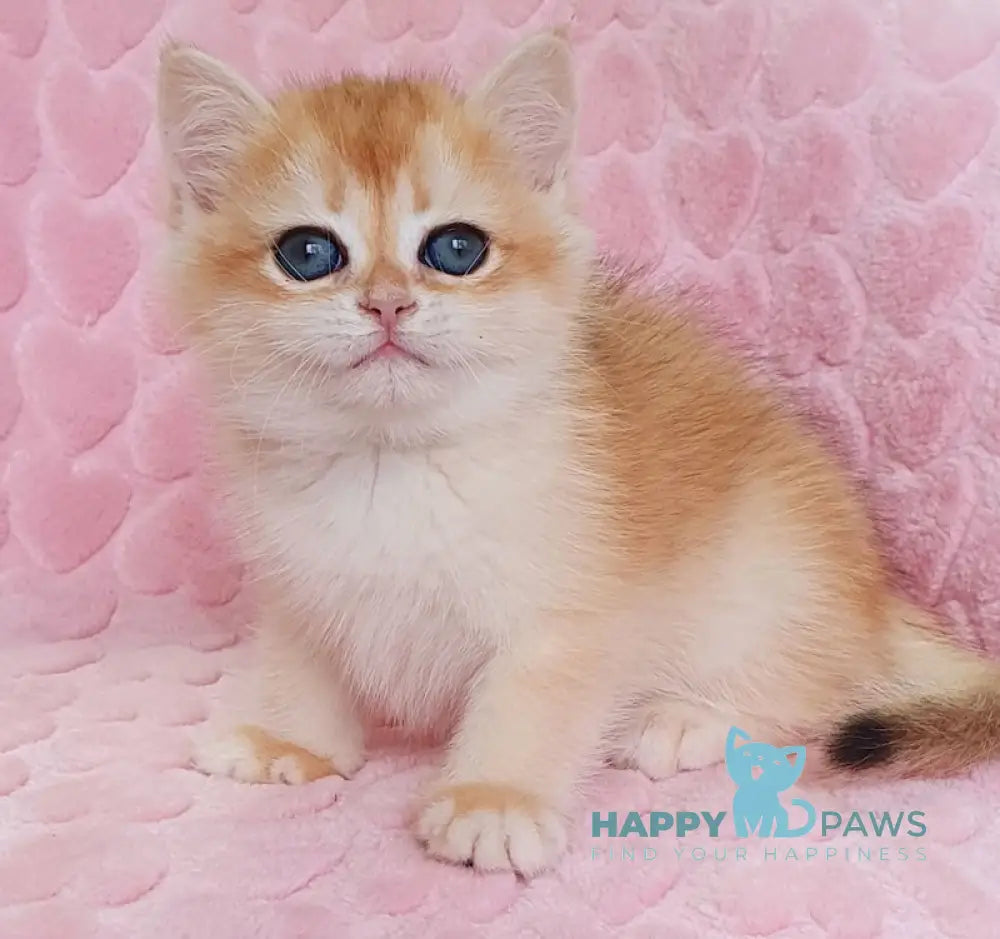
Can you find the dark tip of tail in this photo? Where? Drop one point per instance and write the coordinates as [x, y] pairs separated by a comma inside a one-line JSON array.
[[863, 742]]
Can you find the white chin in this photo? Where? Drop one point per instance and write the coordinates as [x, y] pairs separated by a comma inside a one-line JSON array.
[[387, 383]]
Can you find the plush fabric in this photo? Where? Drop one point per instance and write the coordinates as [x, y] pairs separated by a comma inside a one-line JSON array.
[[822, 177]]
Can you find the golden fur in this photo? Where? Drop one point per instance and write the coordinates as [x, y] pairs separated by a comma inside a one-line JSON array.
[[570, 528]]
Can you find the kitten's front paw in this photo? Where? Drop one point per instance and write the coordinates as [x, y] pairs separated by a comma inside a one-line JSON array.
[[491, 827], [252, 755]]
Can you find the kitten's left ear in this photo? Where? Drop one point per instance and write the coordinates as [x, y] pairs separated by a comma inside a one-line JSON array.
[[530, 98]]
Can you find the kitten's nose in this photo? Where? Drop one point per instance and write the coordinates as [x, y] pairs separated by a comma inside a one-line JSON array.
[[388, 305]]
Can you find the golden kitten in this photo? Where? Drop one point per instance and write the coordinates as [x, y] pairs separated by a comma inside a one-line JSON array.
[[491, 490]]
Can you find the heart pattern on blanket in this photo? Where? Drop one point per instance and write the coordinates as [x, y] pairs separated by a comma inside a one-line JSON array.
[[796, 200], [639, 239], [96, 252], [942, 40], [81, 387], [923, 141], [795, 76], [911, 510], [818, 310], [101, 46], [912, 269], [23, 26], [708, 57], [168, 427], [634, 120], [63, 515], [81, 108], [916, 402], [177, 542], [713, 183]]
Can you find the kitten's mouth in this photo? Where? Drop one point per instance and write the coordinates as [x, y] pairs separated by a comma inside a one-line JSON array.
[[756, 772], [389, 351]]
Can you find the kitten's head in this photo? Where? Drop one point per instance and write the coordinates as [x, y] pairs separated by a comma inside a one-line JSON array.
[[762, 765], [383, 258]]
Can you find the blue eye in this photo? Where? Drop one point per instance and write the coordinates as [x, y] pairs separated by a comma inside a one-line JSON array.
[[456, 249], [309, 253]]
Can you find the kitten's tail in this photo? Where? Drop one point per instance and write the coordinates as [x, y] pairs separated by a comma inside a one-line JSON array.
[[941, 713]]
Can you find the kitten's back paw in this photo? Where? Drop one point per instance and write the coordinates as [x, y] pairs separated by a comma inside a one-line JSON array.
[[492, 827], [651, 748], [252, 755], [702, 745], [672, 739]]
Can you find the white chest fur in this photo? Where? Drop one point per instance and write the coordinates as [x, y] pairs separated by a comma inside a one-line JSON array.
[[415, 564]]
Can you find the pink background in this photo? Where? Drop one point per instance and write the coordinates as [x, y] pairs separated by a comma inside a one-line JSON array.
[[826, 173]]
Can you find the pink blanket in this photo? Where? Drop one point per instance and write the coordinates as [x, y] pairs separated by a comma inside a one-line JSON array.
[[826, 172]]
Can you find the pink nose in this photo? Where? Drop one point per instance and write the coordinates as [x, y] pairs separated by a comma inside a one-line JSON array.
[[389, 309]]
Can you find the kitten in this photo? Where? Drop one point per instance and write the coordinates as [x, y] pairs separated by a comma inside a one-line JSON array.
[[491, 491]]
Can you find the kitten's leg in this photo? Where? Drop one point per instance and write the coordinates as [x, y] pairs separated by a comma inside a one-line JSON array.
[[669, 736], [533, 723], [296, 723]]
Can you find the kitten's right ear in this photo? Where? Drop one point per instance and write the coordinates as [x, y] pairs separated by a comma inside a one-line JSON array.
[[206, 112]]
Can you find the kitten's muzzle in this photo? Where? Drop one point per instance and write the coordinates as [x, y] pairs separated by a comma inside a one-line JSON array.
[[389, 305]]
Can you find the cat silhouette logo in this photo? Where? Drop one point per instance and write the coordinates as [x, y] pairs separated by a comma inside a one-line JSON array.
[[761, 772]]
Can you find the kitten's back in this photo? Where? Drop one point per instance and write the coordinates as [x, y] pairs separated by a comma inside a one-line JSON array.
[[685, 433]]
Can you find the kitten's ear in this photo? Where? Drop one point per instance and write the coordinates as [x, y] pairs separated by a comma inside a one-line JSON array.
[[206, 111], [530, 98]]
